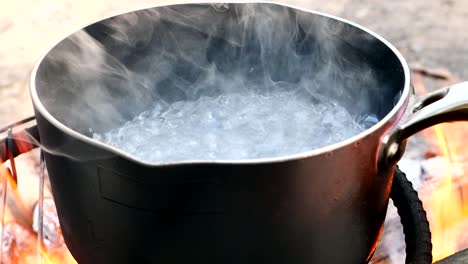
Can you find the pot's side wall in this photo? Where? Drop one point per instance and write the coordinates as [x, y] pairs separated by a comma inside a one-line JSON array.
[[322, 209]]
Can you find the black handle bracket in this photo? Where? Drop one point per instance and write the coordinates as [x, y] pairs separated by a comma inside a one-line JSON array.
[[15, 144], [414, 220], [9, 145]]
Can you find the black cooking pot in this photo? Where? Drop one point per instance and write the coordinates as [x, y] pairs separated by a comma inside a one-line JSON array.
[[302, 208]]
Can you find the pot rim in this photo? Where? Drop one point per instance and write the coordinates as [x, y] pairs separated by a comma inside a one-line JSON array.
[[307, 154]]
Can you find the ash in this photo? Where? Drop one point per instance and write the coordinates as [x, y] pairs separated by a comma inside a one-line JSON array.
[[236, 126]]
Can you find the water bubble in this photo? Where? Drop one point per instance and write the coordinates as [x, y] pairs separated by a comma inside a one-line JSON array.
[[236, 126]]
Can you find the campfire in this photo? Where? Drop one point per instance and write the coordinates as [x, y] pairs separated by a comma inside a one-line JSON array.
[[445, 193], [438, 174], [30, 228]]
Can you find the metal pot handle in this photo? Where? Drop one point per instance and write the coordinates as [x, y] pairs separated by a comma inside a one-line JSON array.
[[445, 105]]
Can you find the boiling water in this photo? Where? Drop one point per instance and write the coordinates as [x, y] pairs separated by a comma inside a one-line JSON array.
[[234, 127]]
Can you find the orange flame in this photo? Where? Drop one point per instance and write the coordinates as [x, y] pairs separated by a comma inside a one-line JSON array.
[[20, 243], [444, 201], [446, 204], [61, 257]]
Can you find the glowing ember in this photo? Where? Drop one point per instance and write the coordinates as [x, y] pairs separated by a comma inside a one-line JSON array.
[[55, 249], [20, 243], [20, 246]]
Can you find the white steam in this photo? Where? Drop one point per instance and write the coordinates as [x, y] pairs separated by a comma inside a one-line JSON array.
[[108, 74]]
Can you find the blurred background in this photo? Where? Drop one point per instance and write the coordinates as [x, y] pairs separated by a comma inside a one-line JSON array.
[[431, 35]]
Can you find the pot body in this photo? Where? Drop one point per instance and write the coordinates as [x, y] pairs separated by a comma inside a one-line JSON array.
[[328, 208], [325, 206]]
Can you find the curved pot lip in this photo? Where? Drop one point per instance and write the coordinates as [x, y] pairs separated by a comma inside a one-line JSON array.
[[394, 113]]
